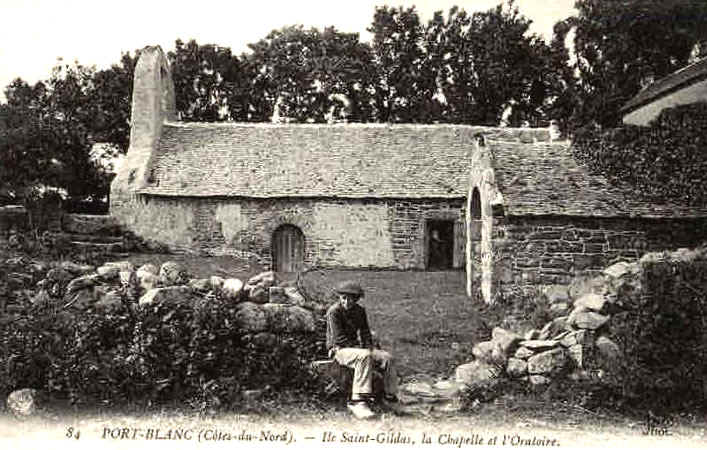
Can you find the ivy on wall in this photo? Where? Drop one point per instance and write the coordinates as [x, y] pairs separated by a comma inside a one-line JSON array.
[[665, 161]]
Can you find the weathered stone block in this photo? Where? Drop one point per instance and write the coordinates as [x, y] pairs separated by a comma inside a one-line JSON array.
[[251, 317], [553, 328], [288, 318], [591, 302], [232, 289], [549, 362], [588, 320], [171, 294], [476, 372], [505, 340]]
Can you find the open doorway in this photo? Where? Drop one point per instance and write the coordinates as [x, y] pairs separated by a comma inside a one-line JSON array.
[[440, 244]]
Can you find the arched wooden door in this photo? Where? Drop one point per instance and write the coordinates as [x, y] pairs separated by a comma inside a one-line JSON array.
[[288, 249]]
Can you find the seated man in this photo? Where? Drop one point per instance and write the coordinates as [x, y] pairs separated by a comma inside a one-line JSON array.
[[349, 342]]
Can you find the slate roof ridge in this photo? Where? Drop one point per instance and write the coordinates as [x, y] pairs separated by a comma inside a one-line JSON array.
[[669, 83]]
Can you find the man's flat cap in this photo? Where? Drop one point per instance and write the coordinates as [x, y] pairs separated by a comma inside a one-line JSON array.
[[349, 287]]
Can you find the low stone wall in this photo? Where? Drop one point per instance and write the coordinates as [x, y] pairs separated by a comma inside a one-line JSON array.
[[553, 250], [337, 233]]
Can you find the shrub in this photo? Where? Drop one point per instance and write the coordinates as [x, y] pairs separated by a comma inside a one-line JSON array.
[[662, 336], [189, 352], [664, 161]]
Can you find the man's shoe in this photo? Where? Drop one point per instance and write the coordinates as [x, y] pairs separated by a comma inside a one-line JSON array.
[[360, 410]]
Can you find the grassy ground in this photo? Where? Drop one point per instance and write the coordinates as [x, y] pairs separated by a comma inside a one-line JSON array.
[[424, 318]]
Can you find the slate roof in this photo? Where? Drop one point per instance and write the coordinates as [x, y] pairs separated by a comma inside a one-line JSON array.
[[671, 83], [380, 161], [347, 161]]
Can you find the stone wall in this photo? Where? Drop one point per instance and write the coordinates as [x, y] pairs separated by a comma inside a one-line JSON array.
[[337, 233], [553, 250]]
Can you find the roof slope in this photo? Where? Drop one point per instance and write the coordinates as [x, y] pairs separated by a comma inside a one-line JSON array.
[[348, 161], [381, 161], [676, 80]]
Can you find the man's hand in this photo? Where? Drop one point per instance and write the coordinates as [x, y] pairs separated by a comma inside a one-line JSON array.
[[332, 351]]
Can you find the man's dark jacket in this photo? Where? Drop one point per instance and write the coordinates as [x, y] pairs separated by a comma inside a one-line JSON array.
[[347, 328]]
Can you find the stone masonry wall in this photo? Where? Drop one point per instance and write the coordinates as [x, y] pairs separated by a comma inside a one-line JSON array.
[[547, 250], [337, 233]]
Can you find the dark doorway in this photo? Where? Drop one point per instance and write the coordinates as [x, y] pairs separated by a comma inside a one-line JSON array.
[[288, 249], [440, 244]]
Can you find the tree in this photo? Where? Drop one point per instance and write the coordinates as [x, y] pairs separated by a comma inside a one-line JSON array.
[[623, 45], [205, 78], [111, 102], [405, 77], [488, 62], [310, 74]]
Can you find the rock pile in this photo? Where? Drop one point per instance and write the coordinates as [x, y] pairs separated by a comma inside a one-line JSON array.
[[575, 343]]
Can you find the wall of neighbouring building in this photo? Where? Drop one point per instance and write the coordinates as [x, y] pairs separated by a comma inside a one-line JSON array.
[[338, 233], [552, 250], [643, 115]]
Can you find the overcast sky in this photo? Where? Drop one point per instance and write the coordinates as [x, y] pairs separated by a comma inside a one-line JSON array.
[[34, 33]]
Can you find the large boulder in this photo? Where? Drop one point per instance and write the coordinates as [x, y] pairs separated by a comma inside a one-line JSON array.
[[173, 274], [550, 362], [169, 294], [289, 318], [539, 345], [24, 402], [232, 288], [591, 302]]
